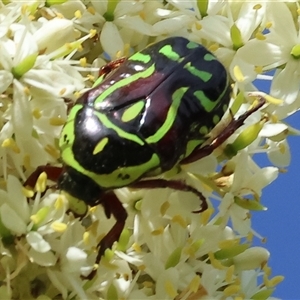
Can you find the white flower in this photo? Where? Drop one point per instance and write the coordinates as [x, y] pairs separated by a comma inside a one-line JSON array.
[[280, 47], [232, 33], [117, 15], [168, 249]]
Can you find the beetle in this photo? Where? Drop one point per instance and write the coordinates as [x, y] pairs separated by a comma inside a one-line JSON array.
[[144, 115]]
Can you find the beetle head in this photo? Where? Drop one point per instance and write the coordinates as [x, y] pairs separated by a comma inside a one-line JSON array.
[[80, 186]]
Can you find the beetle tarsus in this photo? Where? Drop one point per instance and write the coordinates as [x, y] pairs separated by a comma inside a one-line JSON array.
[[112, 206], [53, 172]]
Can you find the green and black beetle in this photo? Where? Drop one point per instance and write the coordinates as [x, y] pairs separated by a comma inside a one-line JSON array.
[[144, 115]]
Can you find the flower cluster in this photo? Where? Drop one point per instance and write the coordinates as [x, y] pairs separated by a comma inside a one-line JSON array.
[[51, 52]]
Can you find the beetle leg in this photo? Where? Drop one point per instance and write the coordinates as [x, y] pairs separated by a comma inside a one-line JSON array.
[[52, 173], [112, 206], [223, 136], [109, 67], [172, 184]]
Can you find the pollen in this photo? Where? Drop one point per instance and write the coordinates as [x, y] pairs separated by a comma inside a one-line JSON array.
[[198, 26], [52, 151], [229, 274], [57, 121], [59, 203], [227, 243], [126, 50], [164, 207], [10, 143], [36, 113], [26, 90], [268, 25], [93, 32], [59, 15], [62, 91], [93, 229], [282, 148], [194, 284], [158, 231], [214, 47], [24, 8], [59, 227], [215, 263], [267, 270], [91, 10], [250, 236], [86, 238], [142, 15], [274, 281], [273, 100], [28, 193], [232, 289], [179, 219], [260, 36], [258, 69], [83, 62], [171, 291], [238, 74], [141, 268], [78, 14], [136, 247], [26, 161], [257, 6], [206, 215], [41, 183]]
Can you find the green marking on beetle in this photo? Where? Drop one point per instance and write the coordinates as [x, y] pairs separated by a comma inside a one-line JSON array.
[[171, 116], [104, 180], [121, 133], [191, 146], [209, 57], [169, 53], [99, 80], [100, 146], [192, 45], [123, 82], [216, 119], [203, 75], [205, 101], [67, 136], [119, 177], [139, 56], [203, 130], [133, 111]]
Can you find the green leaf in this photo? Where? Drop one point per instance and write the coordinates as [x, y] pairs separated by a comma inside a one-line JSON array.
[[262, 295], [24, 66], [236, 37], [249, 204], [112, 293], [174, 258], [230, 252]]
